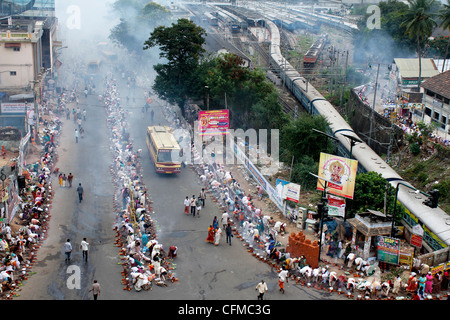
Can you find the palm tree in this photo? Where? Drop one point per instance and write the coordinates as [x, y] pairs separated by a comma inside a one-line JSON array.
[[419, 24], [444, 15]]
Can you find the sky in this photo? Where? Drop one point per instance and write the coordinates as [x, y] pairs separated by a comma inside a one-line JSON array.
[[85, 19]]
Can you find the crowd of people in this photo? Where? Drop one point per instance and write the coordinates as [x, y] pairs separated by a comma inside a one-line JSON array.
[[144, 259], [22, 234], [356, 277], [241, 214]]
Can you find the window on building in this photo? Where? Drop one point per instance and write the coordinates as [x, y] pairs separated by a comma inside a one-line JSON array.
[[13, 73], [17, 49], [436, 115], [428, 111]]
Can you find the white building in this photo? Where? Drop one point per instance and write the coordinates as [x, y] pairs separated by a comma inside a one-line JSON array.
[[437, 103]]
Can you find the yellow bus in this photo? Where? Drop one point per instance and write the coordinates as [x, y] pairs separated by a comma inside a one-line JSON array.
[[164, 150]]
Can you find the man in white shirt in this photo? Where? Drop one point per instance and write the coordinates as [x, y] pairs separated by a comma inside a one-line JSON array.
[[68, 250], [187, 203], [282, 278], [225, 219], [192, 204], [350, 258], [262, 288], [84, 246]]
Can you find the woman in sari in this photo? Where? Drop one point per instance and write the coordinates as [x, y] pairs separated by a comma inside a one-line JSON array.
[[429, 283], [412, 283], [437, 280], [422, 281], [210, 237], [217, 236]]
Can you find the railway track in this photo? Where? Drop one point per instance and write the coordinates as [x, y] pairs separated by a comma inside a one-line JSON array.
[[234, 45]]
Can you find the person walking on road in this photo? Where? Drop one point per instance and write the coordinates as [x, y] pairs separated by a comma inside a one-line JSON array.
[[186, 205], [217, 236], [262, 288], [215, 223], [193, 205], [95, 289], [203, 197], [228, 233], [70, 179], [210, 237], [225, 217], [76, 135], [282, 278], [68, 250], [198, 204], [80, 192], [84, 246]]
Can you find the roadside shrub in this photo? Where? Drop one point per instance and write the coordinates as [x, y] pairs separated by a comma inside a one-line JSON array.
[[415, 149]]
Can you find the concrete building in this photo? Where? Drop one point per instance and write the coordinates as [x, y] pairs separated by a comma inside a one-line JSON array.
[[436, 99], [407, 71], [27, 47]]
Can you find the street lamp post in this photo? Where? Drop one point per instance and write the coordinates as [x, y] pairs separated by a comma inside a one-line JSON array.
[[322, 209], [373, 107], [207, 97]]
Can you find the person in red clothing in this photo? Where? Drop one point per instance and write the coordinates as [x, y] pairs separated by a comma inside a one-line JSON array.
[[70, 179], [418, 295], [210, 237], [412, 283], [186, 205]]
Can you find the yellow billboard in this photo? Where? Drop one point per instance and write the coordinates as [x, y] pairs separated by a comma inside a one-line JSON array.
[[339, 172]]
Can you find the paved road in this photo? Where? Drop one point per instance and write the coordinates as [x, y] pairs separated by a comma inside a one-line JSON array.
[[205, 272]]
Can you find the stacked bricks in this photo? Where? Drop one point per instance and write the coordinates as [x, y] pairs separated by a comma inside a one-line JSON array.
[[299, 246]]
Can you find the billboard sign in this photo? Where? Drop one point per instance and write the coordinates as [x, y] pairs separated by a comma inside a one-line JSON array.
[[214, 122], [388, 250], [336, 206], [341, 172], [288, 191], [16, 107]]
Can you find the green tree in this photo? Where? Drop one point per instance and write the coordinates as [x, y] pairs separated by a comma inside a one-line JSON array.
[[419, 25], [122, 36], [251, 98], [181, 46], [268, 113], [297, 138], [444, 15], [300, 173], [137, 19], [390, 37], [370, 193]]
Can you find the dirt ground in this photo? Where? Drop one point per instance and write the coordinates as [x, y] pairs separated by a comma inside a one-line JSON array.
[[266, 205]]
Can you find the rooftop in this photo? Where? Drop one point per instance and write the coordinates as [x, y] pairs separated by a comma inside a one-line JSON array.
[[409, 68], [439, 84]]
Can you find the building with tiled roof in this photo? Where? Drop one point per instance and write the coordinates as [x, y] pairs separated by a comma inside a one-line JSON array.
[[436, 100]]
